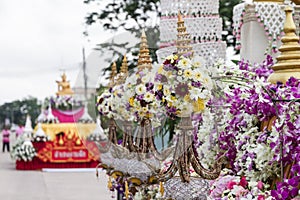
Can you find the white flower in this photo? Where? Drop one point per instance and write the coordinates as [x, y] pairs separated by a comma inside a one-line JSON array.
[[184, 63], [140, 89], [149, 97], [195, 93]]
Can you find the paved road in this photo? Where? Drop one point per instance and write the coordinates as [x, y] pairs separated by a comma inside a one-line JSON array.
[[39, 185]]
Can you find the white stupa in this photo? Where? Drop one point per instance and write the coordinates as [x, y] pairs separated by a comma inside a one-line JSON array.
[[28, 127], [40, 132], [50, 117], [42, 117]]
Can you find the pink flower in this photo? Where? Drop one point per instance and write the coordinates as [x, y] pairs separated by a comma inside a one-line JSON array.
[[243, 182], [261, 197], [231, 184], [260, 185]]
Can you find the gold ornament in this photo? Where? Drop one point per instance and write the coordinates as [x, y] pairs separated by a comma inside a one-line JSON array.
[[64, 86], [144, 60], [183, 42], [288, 62]]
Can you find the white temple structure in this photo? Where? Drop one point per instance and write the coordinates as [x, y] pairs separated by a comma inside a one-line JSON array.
[[258, 27]]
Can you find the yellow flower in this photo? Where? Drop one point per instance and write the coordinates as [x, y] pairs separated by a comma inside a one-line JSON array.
[[160, 69], [149, 115], [166, 91], [173, 98], [159, 86], [144, 109], [175, 57], [187, 98], [188, 73], [131, 101], [199, 105]]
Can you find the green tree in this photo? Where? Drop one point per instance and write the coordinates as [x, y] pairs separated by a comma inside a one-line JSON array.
[[129, 15], [16, 111]]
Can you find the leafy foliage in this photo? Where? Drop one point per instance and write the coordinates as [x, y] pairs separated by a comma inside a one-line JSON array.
[[17, 110]]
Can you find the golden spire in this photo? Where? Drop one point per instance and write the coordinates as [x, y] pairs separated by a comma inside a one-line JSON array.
[[124, 67], [183, 42], [288, 62], [270, 1], [123, 71], [113, 74], [144, 60]]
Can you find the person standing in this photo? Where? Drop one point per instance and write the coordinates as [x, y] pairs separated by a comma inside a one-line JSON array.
[[5, 139], [19, 130]]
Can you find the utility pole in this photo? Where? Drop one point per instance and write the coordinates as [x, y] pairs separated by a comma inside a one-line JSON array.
[[84, 74]]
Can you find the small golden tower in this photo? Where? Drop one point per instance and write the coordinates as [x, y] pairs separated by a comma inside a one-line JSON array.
[[123, 70], [64, 86], [288, 62], [113, 74], [144, 60], [183, 42]]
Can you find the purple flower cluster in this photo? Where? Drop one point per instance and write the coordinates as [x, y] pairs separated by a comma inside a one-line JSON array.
[[264, 103]]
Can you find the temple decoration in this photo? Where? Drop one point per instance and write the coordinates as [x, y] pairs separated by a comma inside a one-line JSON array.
[[203, 24], [113, 74], [64, 86], [65, 148], [183, 42], [263, 22], [288, 62], [121, 77], [144, 60], [185, 157]]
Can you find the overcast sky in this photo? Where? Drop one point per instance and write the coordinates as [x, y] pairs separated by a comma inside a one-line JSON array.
[[38, 38]]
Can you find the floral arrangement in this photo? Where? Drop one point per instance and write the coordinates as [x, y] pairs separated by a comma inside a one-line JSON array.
[[261, 119], [183, 85], [63, 102], [139, 95], [23, 150], [104, 103], [119, 104], [229, 186]]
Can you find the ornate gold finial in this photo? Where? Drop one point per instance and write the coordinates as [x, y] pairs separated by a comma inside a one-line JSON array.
[[124, 67], [113, 74], [64, 86], [270, 1], [297, 2], [144, 60], [288, 62], [183, 42]]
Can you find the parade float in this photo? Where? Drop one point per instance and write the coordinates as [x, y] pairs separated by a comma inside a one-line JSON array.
[[237, 136], [64, 130]]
